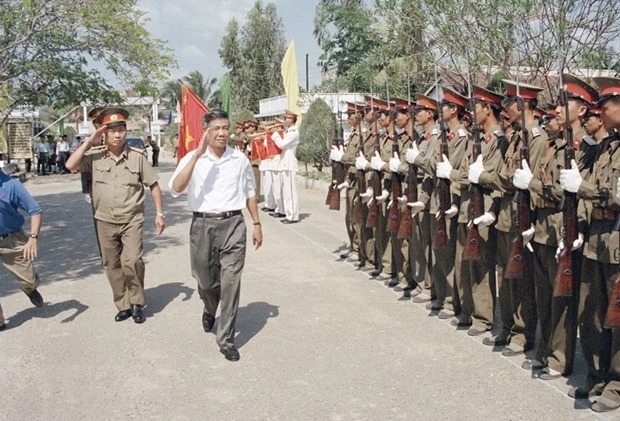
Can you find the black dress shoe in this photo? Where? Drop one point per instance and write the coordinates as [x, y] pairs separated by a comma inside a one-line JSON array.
[[361, 263], [123, 315], [2, 327], [207, 321], [277, 214], [345, 254], [35, 298], [533, 365], [266, 209], [288, 221], [583, 393], [376, 272], [137, 313], [231, 354]]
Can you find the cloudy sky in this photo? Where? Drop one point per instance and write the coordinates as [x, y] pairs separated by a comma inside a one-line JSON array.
[[194, 29]]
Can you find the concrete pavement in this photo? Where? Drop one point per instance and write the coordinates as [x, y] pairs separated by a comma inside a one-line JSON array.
[[318, 338]]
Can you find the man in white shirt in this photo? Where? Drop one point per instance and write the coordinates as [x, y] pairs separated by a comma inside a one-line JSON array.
[[288, 167], [220, 183], [62, 149]]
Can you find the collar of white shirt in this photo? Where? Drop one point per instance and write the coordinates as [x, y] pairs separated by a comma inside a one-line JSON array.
[[229, 153]]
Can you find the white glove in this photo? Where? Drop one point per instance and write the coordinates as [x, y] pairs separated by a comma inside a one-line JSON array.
[[570, 180], [376, 162], [576, 245], [475, 170], [484, 220], [87, 198], [415, 207], [361, 163], [336, 153], [528, 235], [344, 185], [384, 195], [390, 203], [522, 176], [451, 213], [367, 195], [412, 153], [394, 163], [402, 199], [444, 168]]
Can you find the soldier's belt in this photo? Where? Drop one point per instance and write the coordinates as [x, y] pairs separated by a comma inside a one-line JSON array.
[[217, 215], [604, 214], [545, 204]]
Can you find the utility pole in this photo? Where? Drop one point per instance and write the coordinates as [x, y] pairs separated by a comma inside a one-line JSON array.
[[307, 79]]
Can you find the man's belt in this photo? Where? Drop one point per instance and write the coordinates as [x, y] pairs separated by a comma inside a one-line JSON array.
[[217, 215], [545, 204], [604, 214]]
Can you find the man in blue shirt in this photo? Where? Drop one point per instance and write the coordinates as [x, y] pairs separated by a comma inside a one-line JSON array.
[[17, 250]]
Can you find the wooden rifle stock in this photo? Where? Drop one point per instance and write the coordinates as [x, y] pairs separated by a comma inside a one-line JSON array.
[[394, 212], [359, 209], [612, 318], [440, 236], [564, 274], [406, 220], [338, 176], [373, 208], [476, 208]]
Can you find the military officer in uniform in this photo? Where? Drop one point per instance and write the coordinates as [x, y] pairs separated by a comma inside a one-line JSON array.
[[557, 315], [601, 345], [119, 176]]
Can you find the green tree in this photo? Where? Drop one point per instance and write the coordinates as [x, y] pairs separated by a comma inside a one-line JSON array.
[[170, 92], [316, 133], [50, 49], [253, 54]]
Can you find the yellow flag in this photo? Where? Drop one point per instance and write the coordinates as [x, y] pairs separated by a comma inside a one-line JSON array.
[[289, 78]]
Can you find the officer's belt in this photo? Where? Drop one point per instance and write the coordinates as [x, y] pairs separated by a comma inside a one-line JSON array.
[[541, 203], [217, 215], [604, 214]]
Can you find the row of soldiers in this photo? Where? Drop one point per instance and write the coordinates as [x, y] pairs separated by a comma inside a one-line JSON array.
[[431, 207]]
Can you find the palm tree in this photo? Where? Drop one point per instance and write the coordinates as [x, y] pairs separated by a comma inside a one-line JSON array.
[[171, 94], [203, 87]]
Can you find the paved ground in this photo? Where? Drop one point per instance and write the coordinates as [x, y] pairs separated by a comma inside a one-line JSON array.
[[318, 338]]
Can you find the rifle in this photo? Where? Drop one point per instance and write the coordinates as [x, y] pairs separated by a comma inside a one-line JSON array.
[[359, 209], [440, 236], [394, 212], [406, 220], [338, 174], [476, 196], [612, 318], [564, 274], [373, 208], [515, 267]]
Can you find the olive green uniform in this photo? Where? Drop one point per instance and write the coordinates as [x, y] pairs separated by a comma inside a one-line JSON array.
[[348, 159], [118, 202], [557, 315], [601, 347]]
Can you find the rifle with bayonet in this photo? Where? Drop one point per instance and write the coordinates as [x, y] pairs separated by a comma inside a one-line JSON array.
[[359, 209], [393, 222], [515, 267], [406, 220], [476, 194], [373, 207], [564, 274], [442, 186]]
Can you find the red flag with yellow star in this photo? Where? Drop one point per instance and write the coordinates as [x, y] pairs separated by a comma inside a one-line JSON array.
[[190, 129]]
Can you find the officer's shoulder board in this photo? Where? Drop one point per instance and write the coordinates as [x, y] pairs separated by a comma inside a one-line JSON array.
[[499, 133], [435, 131], [462, 133], [535, 132], [138, 150]]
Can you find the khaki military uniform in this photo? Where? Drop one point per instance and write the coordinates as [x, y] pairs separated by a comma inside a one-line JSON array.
[[447, 261], [516, 296], [557, 315], [477, 288], [383, 245], [348, 159], [118, 202], [367, 236], [601, 347]]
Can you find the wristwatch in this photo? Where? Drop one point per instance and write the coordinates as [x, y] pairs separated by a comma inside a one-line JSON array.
[[33, 235], [161, 214]]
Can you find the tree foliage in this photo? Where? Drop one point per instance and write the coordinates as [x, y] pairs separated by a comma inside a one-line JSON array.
[[316, 133], [480, 39], [55, 51], [253, 53]]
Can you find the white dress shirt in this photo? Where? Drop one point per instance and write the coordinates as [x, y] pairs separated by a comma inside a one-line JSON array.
[[288, 160], [217, 184], [62, 146]]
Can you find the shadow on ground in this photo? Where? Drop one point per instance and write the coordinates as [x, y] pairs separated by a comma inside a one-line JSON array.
[[162, 295], [251, 319], [48, 311]]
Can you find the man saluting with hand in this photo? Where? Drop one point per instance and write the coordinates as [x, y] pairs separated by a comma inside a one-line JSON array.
[[220, 183]]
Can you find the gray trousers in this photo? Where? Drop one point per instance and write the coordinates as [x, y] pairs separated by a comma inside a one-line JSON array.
[[217, 254]]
